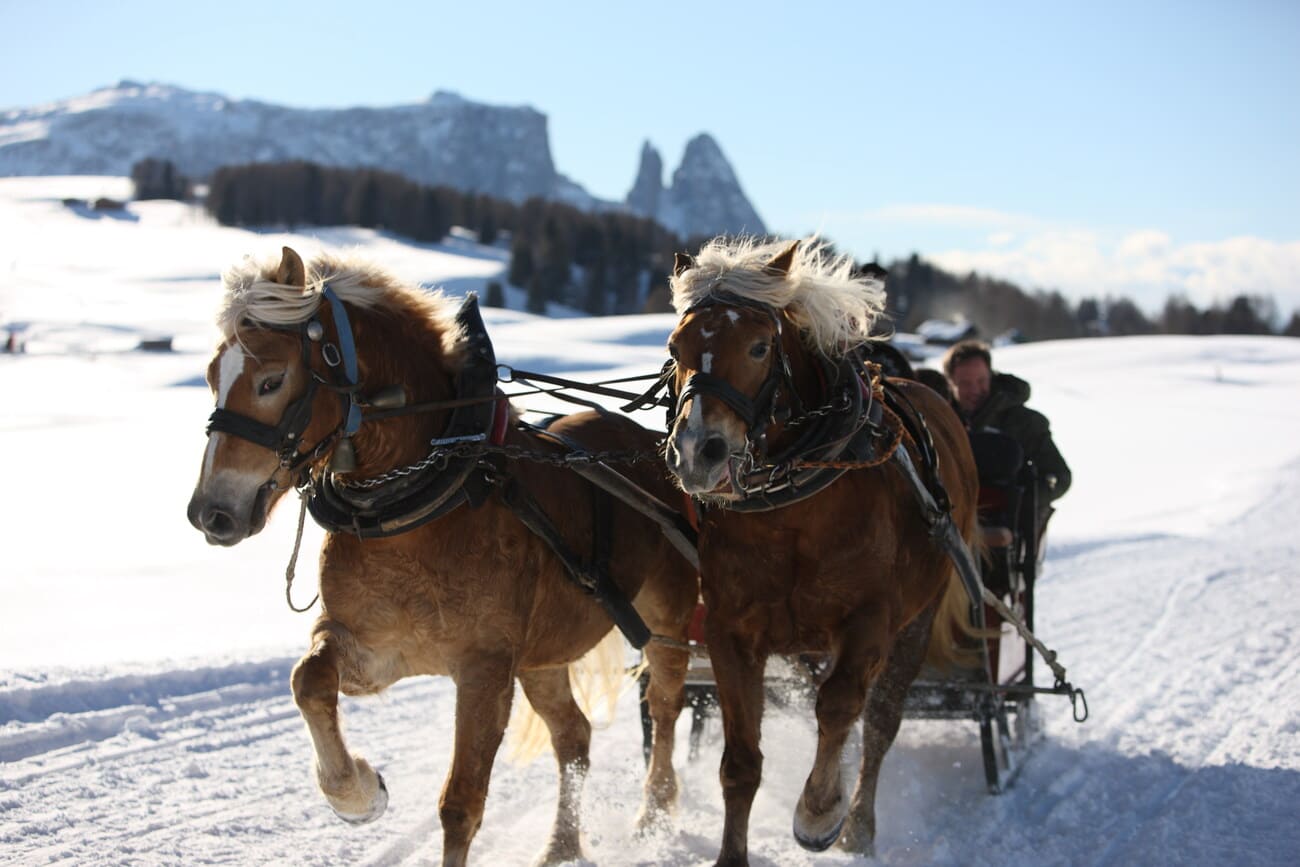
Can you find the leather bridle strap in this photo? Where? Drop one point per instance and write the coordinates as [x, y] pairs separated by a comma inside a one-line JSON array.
[[750, 411], [283, 437]]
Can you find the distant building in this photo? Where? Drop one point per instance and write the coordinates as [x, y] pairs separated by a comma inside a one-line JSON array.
[[946, 332]]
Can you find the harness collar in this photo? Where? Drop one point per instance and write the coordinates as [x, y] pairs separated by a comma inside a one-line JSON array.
[[409, 500]]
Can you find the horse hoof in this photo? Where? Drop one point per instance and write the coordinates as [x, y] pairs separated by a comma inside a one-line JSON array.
[[377, 806], [818, 841]]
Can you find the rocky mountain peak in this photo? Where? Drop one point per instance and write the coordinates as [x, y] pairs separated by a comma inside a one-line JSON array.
[[705, 197], [648, 188]]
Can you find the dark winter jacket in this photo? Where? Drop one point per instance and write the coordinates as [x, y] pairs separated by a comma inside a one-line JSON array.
[[1005, 411]]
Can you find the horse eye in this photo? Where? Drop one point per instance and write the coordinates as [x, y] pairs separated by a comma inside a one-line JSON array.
[[759, 351], [270, 384]]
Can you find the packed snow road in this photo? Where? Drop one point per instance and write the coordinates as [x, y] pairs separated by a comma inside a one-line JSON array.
[[1186, 646]]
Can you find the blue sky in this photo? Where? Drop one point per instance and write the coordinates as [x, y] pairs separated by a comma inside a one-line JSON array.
[[1136, 148]]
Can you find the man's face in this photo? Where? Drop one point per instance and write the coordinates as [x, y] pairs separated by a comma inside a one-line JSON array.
[[970, 383]]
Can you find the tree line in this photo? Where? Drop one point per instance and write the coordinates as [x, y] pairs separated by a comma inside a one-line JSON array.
[[601, 262], [918, 290]]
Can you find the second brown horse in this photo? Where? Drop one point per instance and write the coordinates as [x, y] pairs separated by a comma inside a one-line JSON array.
[[850, 573]]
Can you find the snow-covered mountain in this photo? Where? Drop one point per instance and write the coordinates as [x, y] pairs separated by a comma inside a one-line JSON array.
[[502, 151]]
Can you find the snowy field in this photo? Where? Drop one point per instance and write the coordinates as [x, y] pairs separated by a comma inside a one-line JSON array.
[[145, 715]]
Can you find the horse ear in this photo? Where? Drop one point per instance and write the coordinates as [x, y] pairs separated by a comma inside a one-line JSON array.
[[291, 272], [781, 262], [873, 270], [682, 263]]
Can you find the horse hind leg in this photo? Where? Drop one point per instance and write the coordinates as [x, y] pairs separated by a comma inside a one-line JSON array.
[[354, 790], [484, 691], [550, 694], [664, 695], [884, 714], [822, 810]]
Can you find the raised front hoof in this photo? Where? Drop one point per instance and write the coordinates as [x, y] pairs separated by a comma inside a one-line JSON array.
[[817, 833], [378, 802]]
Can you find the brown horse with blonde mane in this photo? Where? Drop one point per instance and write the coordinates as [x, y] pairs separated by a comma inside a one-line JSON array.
[[427, 567], [811, 537]]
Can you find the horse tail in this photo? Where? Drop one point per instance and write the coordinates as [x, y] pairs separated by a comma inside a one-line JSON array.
[[597, 679], [954, 637]]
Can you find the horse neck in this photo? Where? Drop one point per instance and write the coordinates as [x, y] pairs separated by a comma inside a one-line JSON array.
[[399, 350]]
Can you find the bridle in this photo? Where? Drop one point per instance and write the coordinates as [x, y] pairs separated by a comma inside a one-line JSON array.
[[285, 436], [843, 430], [762, 410]]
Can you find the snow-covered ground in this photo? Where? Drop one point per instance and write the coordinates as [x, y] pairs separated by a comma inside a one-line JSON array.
[[145, 715]]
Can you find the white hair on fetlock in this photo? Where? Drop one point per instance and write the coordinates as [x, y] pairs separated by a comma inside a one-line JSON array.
[[834, 307]]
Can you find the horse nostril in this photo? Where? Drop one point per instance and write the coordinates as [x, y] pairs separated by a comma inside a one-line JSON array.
[[714, 449], [218, 523]]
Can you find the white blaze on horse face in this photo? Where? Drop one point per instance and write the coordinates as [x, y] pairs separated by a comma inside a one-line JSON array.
[[228, 373], [706, 362], [232, 365]]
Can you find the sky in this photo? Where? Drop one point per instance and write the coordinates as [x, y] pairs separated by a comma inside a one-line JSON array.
[[1100, 148]]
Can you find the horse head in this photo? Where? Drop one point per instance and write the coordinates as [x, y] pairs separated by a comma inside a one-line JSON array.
[[265, 379], [753, 316]]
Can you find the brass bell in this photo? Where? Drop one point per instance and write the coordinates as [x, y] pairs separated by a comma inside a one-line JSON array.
[[388, 397], [344, 458]]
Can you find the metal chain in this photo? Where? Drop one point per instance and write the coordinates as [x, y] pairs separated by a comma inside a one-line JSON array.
[[439, 457], [836, 407], [885, 454]]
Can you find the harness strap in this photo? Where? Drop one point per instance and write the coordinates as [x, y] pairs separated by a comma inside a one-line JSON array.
[[348, 350], [591, 578], [681, 533]]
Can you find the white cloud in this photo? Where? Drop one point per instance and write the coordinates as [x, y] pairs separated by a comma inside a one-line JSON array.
[[1147, 266]]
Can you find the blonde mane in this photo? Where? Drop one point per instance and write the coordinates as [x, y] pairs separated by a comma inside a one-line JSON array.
[[254, 298], [834, 308]]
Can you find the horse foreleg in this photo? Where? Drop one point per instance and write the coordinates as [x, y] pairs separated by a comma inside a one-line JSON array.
[[822, 808], [664, 695], [484, 690], [739, 677], [550, 694], [353, 789], [883, 715]]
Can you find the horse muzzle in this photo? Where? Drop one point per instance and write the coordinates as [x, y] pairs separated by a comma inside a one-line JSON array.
[[225, 523], [699, 461]]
